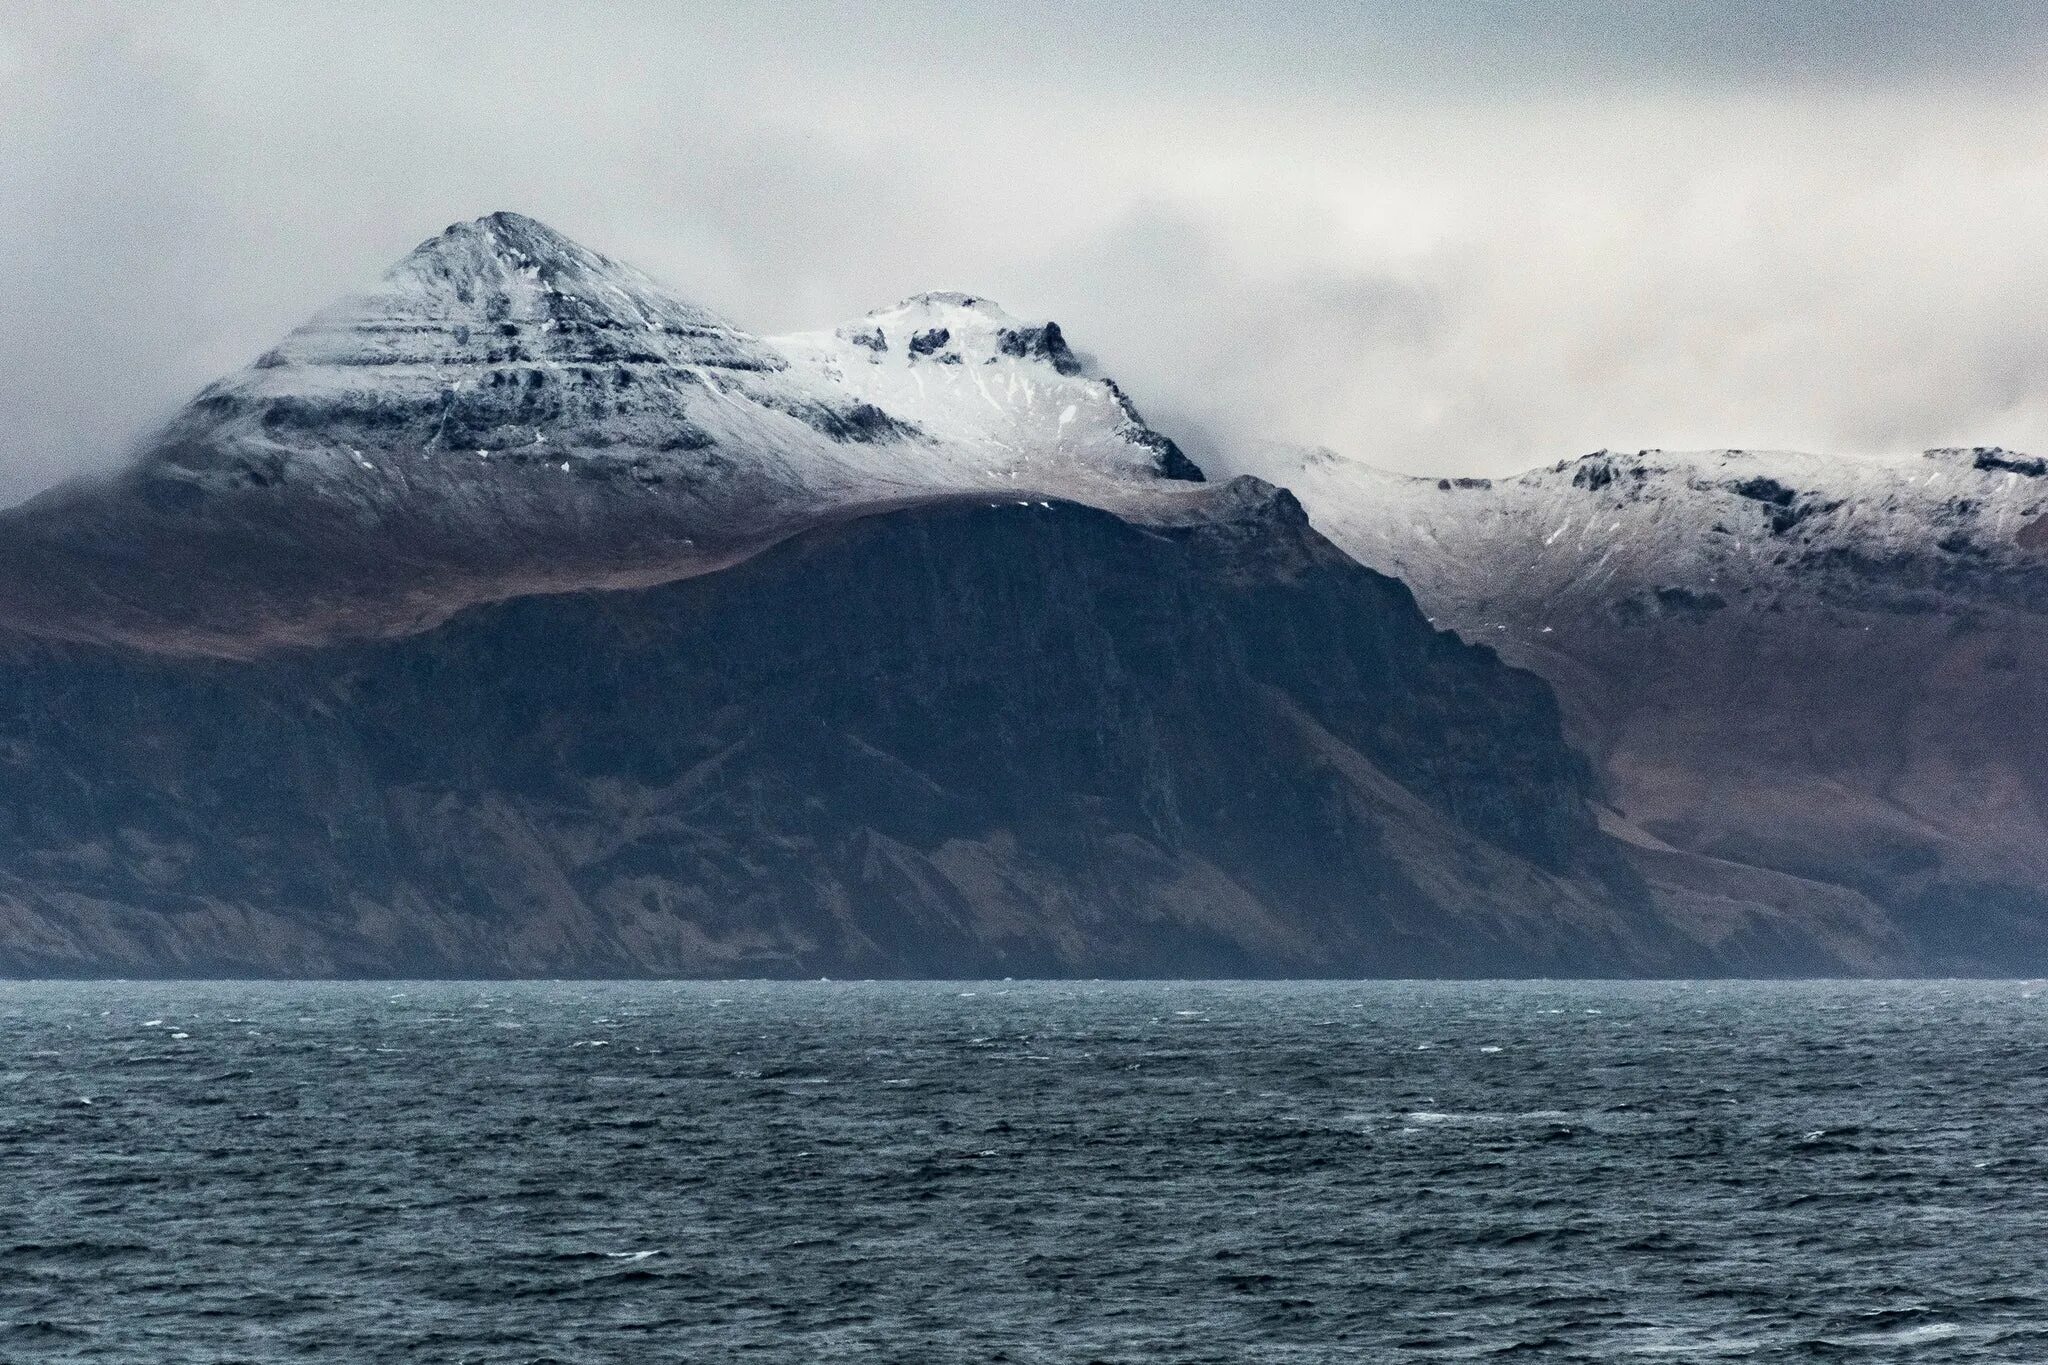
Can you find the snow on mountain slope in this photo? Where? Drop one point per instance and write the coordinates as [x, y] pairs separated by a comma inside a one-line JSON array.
[[507, 287], [501, 338], [507, 411], [1689, 532], [976, 377]]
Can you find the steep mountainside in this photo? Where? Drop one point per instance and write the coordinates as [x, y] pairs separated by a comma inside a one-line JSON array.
[[963, 739], [1830, 667], [517, 616]]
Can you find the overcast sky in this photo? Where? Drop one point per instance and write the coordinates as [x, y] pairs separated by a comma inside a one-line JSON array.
[[1467, 238]]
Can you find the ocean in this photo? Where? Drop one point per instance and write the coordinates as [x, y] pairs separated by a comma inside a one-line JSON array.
[[1023, 1172]]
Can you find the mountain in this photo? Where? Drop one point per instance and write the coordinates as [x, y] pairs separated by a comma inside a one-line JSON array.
[[516, 617], [1828, 667]]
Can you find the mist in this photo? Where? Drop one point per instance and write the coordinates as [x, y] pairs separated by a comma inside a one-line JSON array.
[[1441, 243]]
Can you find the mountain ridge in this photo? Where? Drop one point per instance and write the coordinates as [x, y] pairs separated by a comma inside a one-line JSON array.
[[395, 458], [1820, 666]]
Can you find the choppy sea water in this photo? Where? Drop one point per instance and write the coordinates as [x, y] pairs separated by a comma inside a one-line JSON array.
[[1023, 1172]]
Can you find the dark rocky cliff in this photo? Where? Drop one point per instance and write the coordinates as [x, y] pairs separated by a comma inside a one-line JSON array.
[[959, 739], [1823, 667]]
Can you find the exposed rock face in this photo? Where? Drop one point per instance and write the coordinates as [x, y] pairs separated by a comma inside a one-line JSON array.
[[964, 739], [978, 378], [1834, 668]]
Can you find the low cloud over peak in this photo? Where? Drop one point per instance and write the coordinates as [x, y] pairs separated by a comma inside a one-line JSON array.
[[1468, 243]]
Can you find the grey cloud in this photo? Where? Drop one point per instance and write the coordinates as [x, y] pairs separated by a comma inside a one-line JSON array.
[[105, 320], [1226, 353], [1470, 237]]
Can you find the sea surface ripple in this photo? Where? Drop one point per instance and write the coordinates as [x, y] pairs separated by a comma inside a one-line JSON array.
[[1024, 1172]]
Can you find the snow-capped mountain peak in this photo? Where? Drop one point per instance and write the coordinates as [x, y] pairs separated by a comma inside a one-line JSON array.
[[965, 370], [500, 338], [505, 288], [950, 328]]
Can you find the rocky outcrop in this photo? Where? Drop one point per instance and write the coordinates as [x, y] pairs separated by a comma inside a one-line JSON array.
[[965, 739]]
